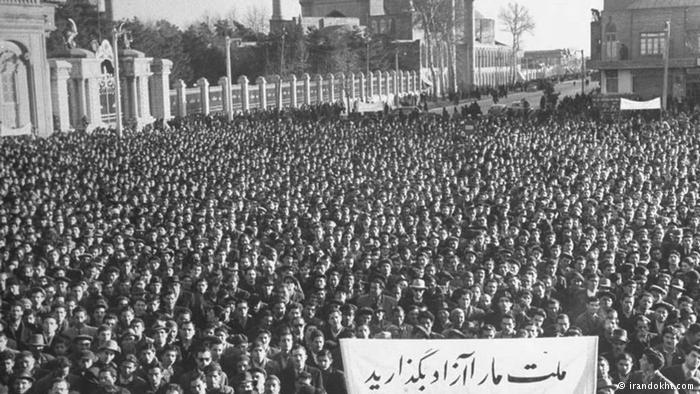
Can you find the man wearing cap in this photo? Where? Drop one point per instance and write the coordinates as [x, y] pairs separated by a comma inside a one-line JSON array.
[[127, 377], [22, 383], [688, 369]]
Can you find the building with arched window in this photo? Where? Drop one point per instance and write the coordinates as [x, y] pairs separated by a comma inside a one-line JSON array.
[[25, 101]]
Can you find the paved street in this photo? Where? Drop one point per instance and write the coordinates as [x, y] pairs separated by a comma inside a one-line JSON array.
[[565, 88]]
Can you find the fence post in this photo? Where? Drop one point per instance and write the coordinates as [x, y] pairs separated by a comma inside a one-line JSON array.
[[363, 87], [293, 91], [181, 98], [226, 96], [351, 81], [331, 87], [245, 98], [319, 89], [203, 85], [307, 88], [380, 91], [278, 91], [262, 92]]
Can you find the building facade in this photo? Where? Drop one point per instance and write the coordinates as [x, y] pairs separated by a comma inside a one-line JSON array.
[[480, 59], [25, 101], [628, 41]]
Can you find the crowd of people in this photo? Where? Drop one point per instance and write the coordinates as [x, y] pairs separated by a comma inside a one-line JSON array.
[[233, 256]]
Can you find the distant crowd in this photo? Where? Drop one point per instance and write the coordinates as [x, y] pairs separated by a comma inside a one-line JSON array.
[[233, 256]]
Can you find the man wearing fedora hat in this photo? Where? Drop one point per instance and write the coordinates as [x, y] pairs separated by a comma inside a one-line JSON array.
[[36, 345]]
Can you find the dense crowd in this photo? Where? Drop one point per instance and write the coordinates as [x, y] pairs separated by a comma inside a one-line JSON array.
[[232, 257]]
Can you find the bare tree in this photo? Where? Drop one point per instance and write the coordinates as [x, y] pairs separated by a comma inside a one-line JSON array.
[[434, 17], [257, 18], [517, 21]]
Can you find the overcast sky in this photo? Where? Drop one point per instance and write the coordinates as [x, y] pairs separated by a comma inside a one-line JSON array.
[[560, 23]]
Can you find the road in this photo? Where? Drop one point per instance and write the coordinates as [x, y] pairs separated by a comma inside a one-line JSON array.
[[566, 88]]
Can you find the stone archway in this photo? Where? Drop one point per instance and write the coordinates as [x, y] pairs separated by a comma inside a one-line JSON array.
[[15, 107]]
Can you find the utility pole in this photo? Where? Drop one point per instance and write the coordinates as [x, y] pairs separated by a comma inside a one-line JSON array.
[[664, 93], [583, 73]]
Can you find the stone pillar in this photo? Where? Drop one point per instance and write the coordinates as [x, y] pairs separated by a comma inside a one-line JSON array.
[[181, 98], [319, 88], [380, 81], [370, 84], [82, 101], [92, 97], [226, 96], [412, 85], [394, 81], [262, 92], [60, 72], [351, 82], [203, 84], [245, 98], [307, 88], [343, 89], [387, 82], [278, 92], [363, 87], [160, 88], [294, 102], [331, 87]]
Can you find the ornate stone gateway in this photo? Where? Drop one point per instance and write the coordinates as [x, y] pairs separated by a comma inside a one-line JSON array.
[[107, 84], [14, 98]]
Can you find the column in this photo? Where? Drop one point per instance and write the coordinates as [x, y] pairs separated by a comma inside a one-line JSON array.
[[278, 91], [370, 84], [351, 82], [245, 98], [83, 111], [60, 72], [380, 82], [331, 87], [394, 82], [262, 92], [133, 98], [160, 88], [144, 99], [363, 87], [293, 91], [226, 96], [181, 98], [92, 97], [307, 88], [203, 84], [319, 88]]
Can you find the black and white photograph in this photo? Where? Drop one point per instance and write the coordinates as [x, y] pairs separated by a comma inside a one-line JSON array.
[[349, 196]]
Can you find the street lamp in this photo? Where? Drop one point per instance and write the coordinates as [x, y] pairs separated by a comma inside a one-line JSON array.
[[118, 32], [239, 43], [583, 73]]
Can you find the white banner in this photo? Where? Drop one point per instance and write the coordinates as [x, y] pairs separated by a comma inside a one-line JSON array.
[[543, 365], [631, 105]]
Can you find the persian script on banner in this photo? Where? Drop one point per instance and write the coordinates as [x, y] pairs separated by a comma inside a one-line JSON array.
[[543, 365]]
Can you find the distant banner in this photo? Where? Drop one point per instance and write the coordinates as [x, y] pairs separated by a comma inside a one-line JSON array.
[[543, 365], [631, 105]]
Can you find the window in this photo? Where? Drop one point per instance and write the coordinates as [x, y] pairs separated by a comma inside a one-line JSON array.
[[652, 43], [611, 81]]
